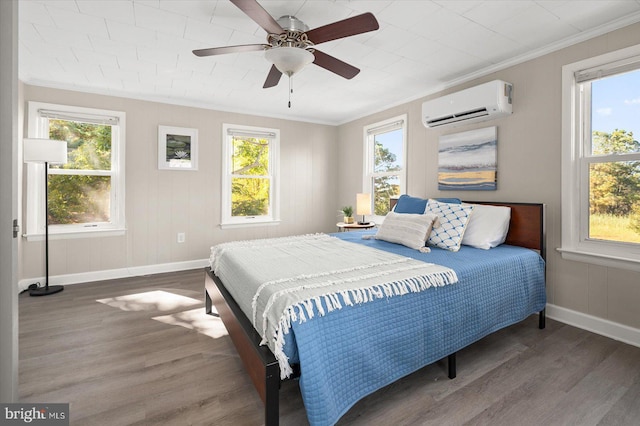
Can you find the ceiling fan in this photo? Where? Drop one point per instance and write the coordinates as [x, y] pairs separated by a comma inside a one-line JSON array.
[[291, 45]]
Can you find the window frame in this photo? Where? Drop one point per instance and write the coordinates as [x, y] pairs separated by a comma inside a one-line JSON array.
[[38, 127], [226, 218], [369, 133], [576, 159]]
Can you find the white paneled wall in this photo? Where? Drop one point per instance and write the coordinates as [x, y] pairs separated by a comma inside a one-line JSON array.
[[529, 170], [162, 203]]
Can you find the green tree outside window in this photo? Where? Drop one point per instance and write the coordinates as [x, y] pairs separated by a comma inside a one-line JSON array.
[[77, 194], [614, 189], [250, 182]]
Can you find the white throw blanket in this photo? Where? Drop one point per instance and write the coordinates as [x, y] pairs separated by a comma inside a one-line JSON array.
[[280, 280]]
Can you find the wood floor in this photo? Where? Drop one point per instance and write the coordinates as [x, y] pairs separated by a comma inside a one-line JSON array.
[[141, 351]]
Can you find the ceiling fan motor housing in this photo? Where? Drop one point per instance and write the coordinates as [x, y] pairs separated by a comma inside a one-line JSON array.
[[291, 23], [294, 34]]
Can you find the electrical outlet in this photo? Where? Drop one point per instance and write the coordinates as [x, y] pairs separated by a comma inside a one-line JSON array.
[[181, 237]]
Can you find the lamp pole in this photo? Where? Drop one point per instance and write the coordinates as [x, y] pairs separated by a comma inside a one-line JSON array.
[[54, 288]]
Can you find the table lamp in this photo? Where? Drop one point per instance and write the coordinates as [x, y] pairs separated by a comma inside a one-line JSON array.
[[363, 206]]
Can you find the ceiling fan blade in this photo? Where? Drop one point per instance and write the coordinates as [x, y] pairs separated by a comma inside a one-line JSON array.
[[335, 65], [230, 49], [273, 78], [345, 28], [256, 12]]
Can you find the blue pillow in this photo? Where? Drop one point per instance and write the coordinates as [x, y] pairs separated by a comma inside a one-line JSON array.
[[409, 204], [449, 200], [415, 205]]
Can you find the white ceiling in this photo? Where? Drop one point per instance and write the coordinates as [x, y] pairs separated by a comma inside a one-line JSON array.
[[142, 49]]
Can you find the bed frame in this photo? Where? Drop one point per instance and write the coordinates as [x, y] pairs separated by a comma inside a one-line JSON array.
[[526, 229]]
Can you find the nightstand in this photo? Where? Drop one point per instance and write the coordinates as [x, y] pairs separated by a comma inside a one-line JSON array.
[[343, 227]]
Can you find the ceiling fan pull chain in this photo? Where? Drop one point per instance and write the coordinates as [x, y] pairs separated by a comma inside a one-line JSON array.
[[290, 90]]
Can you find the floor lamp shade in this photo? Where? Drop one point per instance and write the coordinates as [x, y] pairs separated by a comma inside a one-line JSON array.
[[363, 205], [45, 151]]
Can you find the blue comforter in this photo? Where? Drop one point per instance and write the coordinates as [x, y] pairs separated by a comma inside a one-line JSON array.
[[352, 352]]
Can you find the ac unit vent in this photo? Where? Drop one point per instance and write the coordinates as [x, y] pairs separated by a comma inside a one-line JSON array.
[[479, 103]]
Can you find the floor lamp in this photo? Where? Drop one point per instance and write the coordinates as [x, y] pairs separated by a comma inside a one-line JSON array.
[[45, 151]]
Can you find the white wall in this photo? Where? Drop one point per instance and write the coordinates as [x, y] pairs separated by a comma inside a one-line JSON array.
[[529, 169], [159, 204]]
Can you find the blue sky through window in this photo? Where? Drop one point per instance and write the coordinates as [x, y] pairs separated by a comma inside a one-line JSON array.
[[616, 103], [392, 141]]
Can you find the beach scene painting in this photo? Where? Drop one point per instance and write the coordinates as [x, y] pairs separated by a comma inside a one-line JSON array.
[[468, 160]]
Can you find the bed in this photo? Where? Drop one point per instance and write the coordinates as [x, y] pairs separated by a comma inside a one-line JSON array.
[[391, 337]]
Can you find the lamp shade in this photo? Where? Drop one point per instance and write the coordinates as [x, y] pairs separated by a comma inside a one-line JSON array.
[[363, 203], [44, 151], [289, 60]]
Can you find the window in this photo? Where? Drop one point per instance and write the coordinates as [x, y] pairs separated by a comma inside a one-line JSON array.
[[601, 160], [87, 193], [250, 175], [385, 162]]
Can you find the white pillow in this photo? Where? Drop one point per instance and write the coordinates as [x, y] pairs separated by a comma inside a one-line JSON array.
[[487, 227], [408, 229], [453, 222]]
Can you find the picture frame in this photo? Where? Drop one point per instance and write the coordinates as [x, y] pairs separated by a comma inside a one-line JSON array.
[[467, 161], [177, 148]]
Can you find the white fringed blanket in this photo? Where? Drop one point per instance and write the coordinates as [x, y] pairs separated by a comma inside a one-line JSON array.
[[279, 280]]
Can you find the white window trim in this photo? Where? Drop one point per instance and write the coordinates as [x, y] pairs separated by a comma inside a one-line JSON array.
[[367, 181], [35, 223], [574, 245], [228, 221]]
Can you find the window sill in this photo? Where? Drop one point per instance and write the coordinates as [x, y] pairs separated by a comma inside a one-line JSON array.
[[91, 233], [248, 223], [632, 264]]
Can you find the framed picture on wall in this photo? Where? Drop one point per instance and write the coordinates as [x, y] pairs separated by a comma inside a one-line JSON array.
[[468, 160], [177, 148]]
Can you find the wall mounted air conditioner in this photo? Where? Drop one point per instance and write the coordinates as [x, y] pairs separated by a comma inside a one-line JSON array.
[[484, 102]]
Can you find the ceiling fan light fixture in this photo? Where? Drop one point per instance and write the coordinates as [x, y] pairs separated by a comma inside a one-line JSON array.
[[289, 60]]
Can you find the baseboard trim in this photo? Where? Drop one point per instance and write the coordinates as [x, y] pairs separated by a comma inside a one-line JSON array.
[[601, 326], [111, 274]]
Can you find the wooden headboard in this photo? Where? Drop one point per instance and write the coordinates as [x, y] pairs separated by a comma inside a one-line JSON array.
[[526, 227]]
